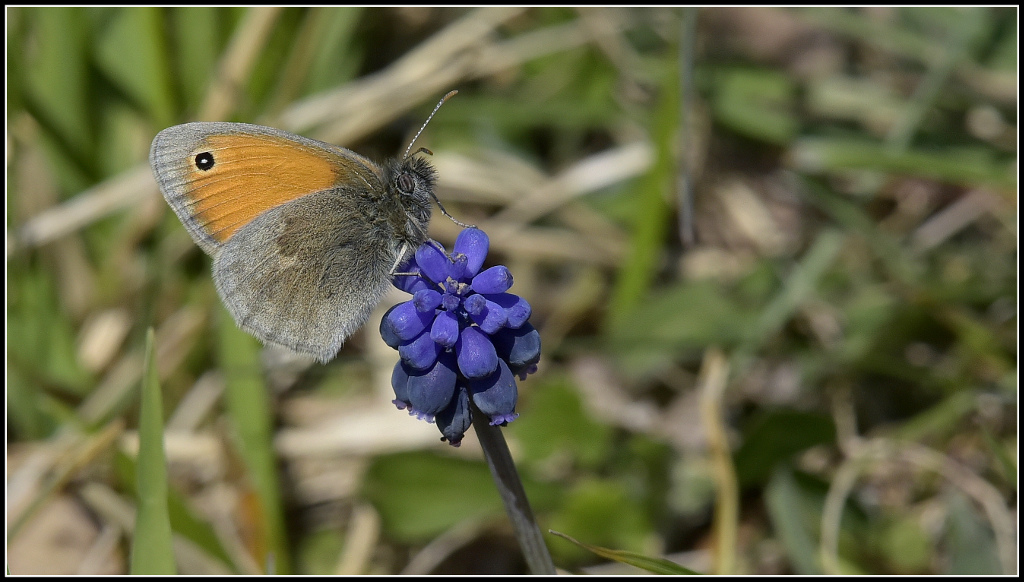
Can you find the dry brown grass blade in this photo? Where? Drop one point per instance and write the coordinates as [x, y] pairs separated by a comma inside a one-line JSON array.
[[87, 207], [238, 61], [357, 108], [714, 376]]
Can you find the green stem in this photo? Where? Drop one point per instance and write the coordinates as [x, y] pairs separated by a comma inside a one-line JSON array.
[[499, 459]]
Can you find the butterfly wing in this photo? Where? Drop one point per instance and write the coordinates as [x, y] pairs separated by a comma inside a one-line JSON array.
[[220, 176], [305, 274], [296, 262]]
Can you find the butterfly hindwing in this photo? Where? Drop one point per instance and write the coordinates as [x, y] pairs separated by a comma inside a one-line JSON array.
[[305, 274]]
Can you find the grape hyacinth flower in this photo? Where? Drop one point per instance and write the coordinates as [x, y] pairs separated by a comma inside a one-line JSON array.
[[462, 337]]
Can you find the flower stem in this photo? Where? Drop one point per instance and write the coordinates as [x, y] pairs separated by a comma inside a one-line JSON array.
[[499, 459]]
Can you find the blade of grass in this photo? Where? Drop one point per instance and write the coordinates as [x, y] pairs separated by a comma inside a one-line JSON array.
[[852, 218], [1003, 460], [799, 286], [687, 111], [249, 409], [967, 166], [194, 37], [324, 33], [782, 499], [655, 565], [237, 61], [652, 211], [131, 52], [57, 78], [152, 552], [184, 521], [714, 377]]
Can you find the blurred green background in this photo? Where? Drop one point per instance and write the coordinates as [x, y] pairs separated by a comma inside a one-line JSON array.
[[772, 254]]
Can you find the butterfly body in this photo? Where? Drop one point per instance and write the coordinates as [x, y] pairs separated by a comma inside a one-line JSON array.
[[304, 235]]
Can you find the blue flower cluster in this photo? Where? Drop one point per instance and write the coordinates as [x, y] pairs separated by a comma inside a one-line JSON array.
[[460, 337]]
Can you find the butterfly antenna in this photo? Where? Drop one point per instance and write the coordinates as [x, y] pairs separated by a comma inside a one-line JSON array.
[[425, 150], [439, 104], [450, 217]]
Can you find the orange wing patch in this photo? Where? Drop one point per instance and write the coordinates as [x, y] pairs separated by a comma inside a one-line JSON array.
[[252, 174]]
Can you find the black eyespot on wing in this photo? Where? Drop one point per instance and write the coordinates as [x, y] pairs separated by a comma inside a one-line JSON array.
[[405, 183], [204, 161]]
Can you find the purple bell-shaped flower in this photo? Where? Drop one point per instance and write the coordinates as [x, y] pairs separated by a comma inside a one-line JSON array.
[[462, 337]]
